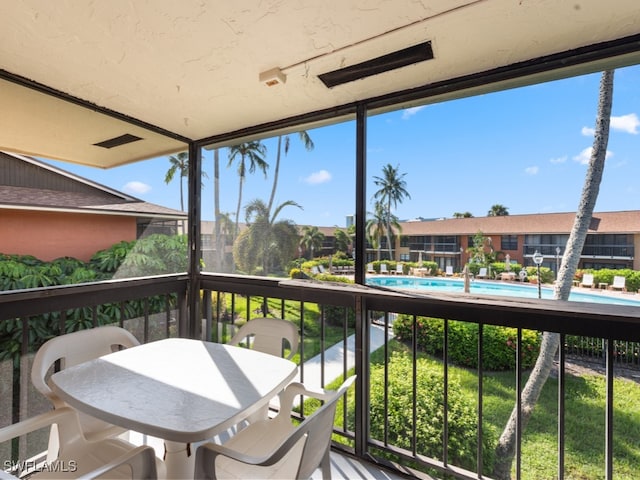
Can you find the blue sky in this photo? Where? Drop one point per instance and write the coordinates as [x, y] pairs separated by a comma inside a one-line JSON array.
[[524, 148]]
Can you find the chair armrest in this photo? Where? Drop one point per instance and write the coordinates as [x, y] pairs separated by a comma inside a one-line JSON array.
[[65, 416], [142, 461]]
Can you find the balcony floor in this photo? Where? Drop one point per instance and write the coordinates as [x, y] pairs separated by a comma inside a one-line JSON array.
[[343, 467]]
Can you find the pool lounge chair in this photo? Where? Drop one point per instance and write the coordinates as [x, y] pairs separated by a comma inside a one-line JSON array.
[[370, 268], [482, 273], [618, 283], [399, 270], [448, 271], [587, 281], [383, 268]]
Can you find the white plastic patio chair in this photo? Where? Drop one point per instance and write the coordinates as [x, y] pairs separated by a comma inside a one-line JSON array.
[[268, 335], [80, 458], [448, 271], [370, 268], [383, 268], [482, 273], [71, 349], [399, 269], [276, 448]]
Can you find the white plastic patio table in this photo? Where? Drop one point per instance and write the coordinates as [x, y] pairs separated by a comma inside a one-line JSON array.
[[177, 389]]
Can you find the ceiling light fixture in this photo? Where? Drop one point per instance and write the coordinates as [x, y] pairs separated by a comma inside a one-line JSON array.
[[391, 61], [273, 77]]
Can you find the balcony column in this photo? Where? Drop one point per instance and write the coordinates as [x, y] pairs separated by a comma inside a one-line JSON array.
[[190, 326]]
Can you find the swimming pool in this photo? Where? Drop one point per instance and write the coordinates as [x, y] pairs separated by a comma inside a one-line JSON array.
[[480, 287]]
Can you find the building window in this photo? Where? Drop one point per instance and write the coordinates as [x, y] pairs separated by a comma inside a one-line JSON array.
[[509, 242]]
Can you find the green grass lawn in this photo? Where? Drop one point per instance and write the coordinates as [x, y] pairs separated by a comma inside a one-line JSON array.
[[584, 423]]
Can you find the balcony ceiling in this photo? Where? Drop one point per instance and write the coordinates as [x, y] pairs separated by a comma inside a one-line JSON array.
[[79, 72]]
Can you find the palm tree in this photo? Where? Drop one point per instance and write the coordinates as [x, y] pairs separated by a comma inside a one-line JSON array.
[[219, 267], [505, 451], [308, 144], [378, 225], [392, 191], [179, 164], [462, 215], [312, 239], [498, 210], [272, 241], [343, 240], [254, 152]]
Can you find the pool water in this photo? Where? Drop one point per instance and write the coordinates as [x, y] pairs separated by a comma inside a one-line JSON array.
[[480, 287]]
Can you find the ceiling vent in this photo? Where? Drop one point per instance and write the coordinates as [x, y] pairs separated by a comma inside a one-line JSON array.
[[392, 61], [118, 141]]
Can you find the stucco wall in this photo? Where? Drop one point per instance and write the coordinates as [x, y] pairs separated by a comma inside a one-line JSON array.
[[49, 235]]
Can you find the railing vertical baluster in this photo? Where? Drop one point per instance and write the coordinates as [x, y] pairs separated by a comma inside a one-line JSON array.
[[206, 307], [480, 394], [519, 405], [322, 346], [609, 412], [386, 383], [167, 309], [414, 386], [445, 373], [561, 406], [146, 320], [302, 334]]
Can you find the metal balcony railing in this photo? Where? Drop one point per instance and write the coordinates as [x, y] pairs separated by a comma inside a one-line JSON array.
[[358, 320]]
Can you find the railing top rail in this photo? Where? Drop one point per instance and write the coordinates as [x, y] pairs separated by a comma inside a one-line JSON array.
[[34, 301]]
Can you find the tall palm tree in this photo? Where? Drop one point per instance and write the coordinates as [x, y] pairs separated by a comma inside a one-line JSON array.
[[254, 152], [392, 191], [376, 227], [219, 258], [505, 451], [179, 164], [312, 239], [272, 241], [308, 144], [498, 210]]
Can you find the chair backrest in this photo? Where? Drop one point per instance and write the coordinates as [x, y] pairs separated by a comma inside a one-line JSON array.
[[587, 279], [449, 270], [618, 281], [74, 348], [284, 450], [383, 268], [267, 335], [482, 272], [399, 268]]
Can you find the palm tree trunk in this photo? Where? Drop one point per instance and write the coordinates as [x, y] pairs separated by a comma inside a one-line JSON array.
[[275, 175], [505, 451], [216, 207]]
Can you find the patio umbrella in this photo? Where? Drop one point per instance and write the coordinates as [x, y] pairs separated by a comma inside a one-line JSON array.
[[467, 281]]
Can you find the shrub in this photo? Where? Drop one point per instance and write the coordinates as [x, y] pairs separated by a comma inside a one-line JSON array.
[[499, 343], [429, 398]]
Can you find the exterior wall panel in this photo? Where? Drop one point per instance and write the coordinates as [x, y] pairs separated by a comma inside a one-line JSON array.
[[49, 235]]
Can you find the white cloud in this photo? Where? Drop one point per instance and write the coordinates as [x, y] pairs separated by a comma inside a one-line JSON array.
[[585, 155], [410, 112], [626, 123], [531, 170], [318, 177], [559, 159], [136, 188]]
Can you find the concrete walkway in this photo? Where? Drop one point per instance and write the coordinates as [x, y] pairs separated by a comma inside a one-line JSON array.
[[334, 358]]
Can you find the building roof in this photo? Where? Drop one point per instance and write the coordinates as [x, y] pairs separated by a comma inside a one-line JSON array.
[[30, 184], [113, 82], [544, 223]]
